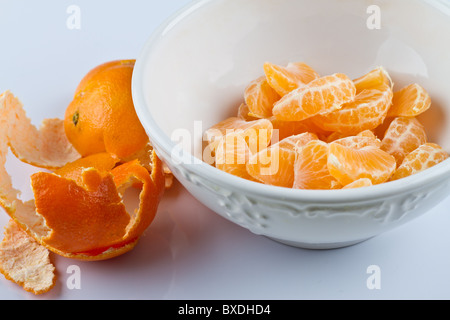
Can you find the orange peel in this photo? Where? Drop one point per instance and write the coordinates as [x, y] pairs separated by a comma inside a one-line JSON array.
[[25, 262], [78, 210], [46, 147], [95, 224]]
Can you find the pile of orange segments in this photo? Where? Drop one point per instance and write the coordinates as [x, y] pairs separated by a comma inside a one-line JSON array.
[[91, 158], [298, 129]]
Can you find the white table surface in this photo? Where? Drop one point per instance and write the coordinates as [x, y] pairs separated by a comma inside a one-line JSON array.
[[190, 252]]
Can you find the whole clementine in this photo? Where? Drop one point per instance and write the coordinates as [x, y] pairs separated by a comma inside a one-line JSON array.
[[101, 116]]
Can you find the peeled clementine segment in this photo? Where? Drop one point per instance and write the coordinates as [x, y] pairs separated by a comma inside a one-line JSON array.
[[367, 134], [233, 154], [362, 139], [366, 112], [410, 101], [310, 168], [348, 164], [283, 129], [25, 262], [321, 95], [335, 136], [257, 133], [285, 79], [425, 156], [363, 182], [403, 135], [363, 130], [378, 78], [275, 165], [46, 147], [244, 113], [339, 135], [260, 98]]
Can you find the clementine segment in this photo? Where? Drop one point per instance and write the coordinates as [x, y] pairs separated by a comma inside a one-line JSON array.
[[366, 112], [348, 164], [281, 129], [361, 140], [244, 113], [275, 165], [321, 95], [403, 136], [285, 79], [232, 155], [310, 169], [363, 182], [359, 131], [257, 133], [284, 129], [339, 135], [410, 101], [378, 79], [260, 98], [425, 156]]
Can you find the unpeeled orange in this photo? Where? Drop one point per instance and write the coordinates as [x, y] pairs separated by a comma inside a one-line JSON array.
[[101, 116]]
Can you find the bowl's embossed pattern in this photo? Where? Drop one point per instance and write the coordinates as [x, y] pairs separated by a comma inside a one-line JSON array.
[[254, 213]]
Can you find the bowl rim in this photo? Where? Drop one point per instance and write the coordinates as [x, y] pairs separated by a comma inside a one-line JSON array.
[[185, 159]]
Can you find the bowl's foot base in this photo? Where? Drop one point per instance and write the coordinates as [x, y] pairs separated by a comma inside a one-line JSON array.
[[319, 246]]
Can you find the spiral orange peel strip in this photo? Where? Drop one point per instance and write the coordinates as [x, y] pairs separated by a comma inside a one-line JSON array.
[[78, 210]]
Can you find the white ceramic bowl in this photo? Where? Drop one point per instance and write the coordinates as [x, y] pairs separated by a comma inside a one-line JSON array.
[[193, 70]]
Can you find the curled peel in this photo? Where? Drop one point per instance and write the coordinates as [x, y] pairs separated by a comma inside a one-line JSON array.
[[145, 158], [78, 211], [46, 147], [85, 218]]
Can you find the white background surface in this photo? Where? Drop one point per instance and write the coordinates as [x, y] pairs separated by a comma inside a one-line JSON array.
[[190, 252]]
